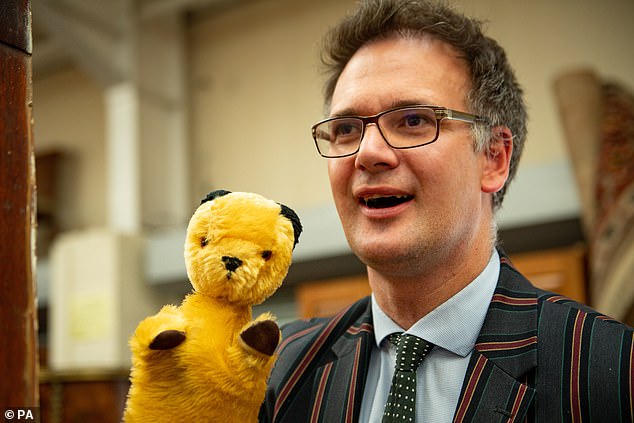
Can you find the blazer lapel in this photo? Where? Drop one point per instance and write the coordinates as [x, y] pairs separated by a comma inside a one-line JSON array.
[[496, 386], [338, 385]]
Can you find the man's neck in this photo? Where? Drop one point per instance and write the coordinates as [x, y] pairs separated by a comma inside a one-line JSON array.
[[406, 299]]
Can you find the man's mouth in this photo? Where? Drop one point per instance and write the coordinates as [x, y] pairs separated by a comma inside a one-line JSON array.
[[383, 202]]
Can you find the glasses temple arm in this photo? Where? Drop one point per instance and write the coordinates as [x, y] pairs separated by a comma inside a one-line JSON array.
[[464, 117]]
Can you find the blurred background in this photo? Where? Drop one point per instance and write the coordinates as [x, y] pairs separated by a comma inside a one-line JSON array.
[[141, 107]]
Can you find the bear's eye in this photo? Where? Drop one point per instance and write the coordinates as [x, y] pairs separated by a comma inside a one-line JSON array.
[[203, 241], [267, 254]]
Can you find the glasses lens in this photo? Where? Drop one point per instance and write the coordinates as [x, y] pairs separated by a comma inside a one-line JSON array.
[[409, 127], [338, 137]]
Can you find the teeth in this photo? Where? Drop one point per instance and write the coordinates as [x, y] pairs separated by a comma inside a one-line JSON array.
[[374, 196], [377, 196]]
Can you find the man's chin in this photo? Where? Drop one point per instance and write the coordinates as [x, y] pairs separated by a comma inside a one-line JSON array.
[[380, 255]]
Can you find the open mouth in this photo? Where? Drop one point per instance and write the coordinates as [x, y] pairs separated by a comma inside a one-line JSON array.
[[383, 202]]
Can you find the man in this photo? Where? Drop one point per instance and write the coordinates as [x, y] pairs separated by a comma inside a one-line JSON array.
[[426, 125]]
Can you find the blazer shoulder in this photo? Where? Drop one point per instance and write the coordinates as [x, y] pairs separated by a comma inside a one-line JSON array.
[[550, 307], [559, 315], [555, 305]]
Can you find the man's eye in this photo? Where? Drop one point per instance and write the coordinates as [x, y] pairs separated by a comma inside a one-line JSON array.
[[414, 121], [345, 129]]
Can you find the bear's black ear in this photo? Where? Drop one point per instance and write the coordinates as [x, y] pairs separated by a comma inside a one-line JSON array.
[[215, 194], [292, 216]]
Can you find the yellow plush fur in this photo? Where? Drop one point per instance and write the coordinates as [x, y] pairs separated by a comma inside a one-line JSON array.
[[198, 362]]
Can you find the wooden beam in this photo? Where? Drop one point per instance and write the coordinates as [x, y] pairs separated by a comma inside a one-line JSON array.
[[18, 355]]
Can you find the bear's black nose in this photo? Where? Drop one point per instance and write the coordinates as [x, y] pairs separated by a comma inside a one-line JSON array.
[[231, 263]]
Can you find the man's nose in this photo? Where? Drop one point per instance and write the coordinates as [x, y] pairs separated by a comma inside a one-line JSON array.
[[374, 150]]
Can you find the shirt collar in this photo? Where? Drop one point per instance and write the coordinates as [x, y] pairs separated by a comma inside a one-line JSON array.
[[455, 324]]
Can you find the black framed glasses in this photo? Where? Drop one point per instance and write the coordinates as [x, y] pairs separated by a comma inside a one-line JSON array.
[[401, 127]]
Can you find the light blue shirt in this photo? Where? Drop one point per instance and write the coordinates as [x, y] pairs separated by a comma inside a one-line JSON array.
[[453, 328]]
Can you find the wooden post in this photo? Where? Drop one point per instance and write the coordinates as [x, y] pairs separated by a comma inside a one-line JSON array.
[[18, 354]]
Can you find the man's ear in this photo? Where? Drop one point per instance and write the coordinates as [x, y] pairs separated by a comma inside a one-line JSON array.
[[497, 159]]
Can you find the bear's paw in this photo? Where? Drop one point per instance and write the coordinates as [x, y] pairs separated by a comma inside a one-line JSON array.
[[167, 340], [262, 336]]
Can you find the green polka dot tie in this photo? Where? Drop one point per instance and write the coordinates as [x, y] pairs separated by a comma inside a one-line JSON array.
[[401, 402]]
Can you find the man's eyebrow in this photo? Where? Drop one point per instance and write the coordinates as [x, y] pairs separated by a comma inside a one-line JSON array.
[[409, 102], [343, 113], [351, 111]]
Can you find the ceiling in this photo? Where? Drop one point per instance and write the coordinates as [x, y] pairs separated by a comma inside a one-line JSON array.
[[95, 34]]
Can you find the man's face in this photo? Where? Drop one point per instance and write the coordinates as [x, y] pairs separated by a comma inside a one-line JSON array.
[[439, 208]]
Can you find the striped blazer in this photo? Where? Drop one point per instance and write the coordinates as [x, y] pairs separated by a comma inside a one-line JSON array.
[[539, 358]]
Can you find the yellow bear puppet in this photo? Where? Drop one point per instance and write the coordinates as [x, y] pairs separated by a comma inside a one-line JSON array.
[[207, 360]]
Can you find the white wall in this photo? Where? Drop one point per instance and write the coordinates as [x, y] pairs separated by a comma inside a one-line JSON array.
[[256, 91]]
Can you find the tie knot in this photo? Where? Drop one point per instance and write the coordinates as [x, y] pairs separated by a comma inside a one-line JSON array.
[[410, 351]]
